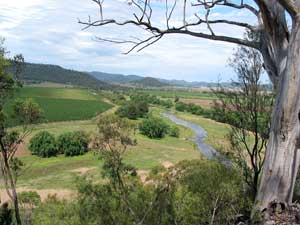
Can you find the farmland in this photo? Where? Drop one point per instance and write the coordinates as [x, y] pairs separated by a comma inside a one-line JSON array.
[[61, 104], [182, 94]]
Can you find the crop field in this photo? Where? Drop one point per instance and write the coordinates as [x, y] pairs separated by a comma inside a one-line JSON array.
[[61, 104]]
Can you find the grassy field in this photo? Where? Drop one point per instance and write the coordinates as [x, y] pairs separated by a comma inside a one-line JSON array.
[[61, 104], [181, 94], [60, 172]]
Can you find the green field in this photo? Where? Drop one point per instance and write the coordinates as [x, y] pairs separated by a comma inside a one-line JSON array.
[[61, 104], [181, 94], [65, 104], [60, 172]]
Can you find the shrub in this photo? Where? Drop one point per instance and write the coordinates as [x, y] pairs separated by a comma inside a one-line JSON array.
[[208, 186], [29, 198], [133, 110], [154, 127], [54, 211], [43, 145], [73, 143], [6, 214], [166, 103], [174, 131], [180, 106]]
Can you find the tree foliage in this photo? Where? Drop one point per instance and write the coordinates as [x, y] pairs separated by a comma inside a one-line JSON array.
[[133, 110], [154, 127], [248, 110], [43, 144], [73, 143]]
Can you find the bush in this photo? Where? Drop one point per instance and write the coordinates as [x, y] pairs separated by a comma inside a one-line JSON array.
[[154, 127], [29, 198], [54, 211], [198, 192], [180, 106], [205, 187], [133, 110], [6, 214], [73, 143], [43, 145], [174, 131]]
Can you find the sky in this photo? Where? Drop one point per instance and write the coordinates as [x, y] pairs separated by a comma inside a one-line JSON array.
[[47, 31]]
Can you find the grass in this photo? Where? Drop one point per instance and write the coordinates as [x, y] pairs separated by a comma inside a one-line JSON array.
[[56, 93], [61, 104], [181, 94], [58, 172]]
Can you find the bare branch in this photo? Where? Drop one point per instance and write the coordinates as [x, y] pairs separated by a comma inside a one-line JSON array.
[[292, 6]]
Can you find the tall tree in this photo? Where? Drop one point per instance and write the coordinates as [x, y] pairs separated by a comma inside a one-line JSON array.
[[247, 108], [280, 49]]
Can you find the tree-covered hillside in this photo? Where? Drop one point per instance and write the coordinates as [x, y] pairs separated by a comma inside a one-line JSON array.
[[115, 78], [148, 82], [37, 73]]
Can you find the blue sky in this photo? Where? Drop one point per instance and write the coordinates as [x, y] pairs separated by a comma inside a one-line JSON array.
[[47, 31]]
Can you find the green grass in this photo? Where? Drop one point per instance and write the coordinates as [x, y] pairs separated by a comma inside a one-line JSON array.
[[61, 104], [181, 94], [58, 172], [56, 93]]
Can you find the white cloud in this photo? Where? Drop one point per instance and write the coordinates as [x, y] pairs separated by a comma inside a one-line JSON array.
[[46, 31]]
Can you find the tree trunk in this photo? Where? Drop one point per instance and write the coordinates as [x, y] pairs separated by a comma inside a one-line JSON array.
[[282, 156]]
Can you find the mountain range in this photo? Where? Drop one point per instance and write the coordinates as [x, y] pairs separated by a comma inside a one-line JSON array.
[[37, 73], [131, 79]]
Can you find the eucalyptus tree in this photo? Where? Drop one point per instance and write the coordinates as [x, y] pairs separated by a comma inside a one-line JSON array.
[[279, 45]]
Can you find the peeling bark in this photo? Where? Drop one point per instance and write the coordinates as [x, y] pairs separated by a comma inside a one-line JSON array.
[[282, 155]]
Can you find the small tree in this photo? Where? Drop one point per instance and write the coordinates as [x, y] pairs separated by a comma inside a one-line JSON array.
[[43, 144], [154, 127], [73, 143], [133, 110], [124, 200], [26, 112], [248, 110]]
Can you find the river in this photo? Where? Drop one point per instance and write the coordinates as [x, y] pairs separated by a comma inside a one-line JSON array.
[[200, 136]]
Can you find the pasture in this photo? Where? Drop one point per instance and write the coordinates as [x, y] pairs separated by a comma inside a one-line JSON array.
[[60, 172]]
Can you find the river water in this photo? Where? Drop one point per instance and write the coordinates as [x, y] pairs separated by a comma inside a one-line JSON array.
[[200, 136]]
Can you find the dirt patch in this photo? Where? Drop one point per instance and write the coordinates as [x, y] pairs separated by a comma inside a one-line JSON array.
[[167, 164], [44, 193], [143, 175], [204, 103], [22, 148], [82, 170]]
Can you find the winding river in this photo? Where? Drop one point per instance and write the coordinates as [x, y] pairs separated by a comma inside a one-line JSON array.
[[200, 136]]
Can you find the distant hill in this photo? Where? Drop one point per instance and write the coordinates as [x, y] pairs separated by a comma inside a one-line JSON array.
[[148, 82], [134, 79], [115, 78], [37, 73]]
